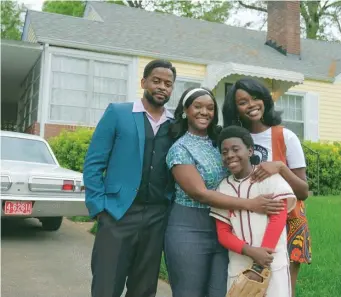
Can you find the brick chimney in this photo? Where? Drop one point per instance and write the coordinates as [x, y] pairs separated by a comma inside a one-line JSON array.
[[284, 27]]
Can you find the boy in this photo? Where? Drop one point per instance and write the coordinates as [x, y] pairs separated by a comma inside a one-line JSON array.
[[253, 239]]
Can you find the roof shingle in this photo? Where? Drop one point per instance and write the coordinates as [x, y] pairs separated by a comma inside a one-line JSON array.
[[150, 32]]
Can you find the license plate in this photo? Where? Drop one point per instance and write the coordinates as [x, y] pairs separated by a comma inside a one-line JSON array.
[[18, 208]]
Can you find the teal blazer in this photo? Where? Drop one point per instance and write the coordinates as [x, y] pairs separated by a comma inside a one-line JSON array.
[[113, 164]]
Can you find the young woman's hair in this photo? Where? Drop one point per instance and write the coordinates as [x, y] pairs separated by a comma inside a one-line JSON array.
[[271, 117], [180, 125], [236, 132]]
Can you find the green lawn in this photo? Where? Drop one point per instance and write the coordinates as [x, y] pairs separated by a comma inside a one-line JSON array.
[[323, 277]]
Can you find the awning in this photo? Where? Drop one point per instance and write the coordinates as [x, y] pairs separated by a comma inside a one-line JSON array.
[[17, 59], [216, 72]]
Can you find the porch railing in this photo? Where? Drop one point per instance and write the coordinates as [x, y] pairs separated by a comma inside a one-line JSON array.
[[9, 125]]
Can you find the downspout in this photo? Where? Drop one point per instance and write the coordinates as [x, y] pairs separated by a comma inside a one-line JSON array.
[[44, 89]]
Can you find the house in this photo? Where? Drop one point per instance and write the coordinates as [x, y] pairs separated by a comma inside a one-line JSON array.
[[66, 69]]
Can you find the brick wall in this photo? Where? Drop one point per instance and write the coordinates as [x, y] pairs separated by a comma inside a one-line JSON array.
[[33, 129], [283, 31], [52, 130]]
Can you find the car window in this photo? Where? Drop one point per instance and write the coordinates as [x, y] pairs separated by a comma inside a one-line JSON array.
[[27, 150]]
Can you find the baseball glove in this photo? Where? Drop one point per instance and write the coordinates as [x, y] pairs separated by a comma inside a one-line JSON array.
[[245, 287]]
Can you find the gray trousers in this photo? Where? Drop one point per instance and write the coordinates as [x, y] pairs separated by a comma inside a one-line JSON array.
[[196, 262], [128, 251]]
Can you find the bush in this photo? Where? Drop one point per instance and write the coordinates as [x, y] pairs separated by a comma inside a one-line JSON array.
[[70, 147], [328, 167]]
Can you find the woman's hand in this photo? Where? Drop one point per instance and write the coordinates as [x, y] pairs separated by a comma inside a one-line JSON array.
[[264, 204], [265, 170]]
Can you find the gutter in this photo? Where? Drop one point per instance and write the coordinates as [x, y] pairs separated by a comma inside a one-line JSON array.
[[132, 52], [123, 51]]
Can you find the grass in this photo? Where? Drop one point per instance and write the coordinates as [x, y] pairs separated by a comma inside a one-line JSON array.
[[80, 219], [322, 278]]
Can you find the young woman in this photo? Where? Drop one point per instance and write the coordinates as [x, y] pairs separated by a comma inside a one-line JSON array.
[[249, 104], [196, 262], [254, 240]]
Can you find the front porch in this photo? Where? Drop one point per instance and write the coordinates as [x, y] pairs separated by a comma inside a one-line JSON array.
[[221, 77], [20, 80]]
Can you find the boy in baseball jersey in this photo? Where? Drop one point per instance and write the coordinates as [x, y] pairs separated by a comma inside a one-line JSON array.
[[252, 238]]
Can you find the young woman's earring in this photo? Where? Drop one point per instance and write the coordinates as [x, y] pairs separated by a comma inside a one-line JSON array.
[[184, 116], [239, 122]]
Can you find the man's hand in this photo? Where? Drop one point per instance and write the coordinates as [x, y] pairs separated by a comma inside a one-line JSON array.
[[262, 256], [265, 170], [264, 204], [99, 215], [253, 276]]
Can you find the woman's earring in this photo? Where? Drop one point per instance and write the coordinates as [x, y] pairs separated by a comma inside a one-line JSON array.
[[184, 116], [239, 122]]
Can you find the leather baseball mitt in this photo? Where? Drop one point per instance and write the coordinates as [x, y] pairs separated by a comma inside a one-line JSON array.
[[245, 287]]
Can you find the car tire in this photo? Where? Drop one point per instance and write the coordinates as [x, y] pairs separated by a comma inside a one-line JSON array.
[[51, 224]]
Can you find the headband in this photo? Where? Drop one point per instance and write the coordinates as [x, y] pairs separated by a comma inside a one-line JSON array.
[[190, 93]]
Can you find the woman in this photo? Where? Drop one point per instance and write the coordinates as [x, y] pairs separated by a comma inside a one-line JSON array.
[[249, 104], [197, 264]]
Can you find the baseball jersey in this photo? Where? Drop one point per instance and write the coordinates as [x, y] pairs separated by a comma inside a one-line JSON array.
[[249, 226]]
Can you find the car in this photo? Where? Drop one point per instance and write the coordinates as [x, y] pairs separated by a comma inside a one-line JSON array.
[[34, 185]]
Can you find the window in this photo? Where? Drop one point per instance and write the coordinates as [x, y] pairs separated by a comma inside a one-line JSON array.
[[180, 86], [293, 113], [82, 88], [28, 103], [13, 148]]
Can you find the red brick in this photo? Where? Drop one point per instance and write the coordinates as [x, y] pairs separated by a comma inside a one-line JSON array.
[[284, 25], [52, 130]]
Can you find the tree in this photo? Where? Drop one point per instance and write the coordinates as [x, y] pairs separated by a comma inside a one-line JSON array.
[[73, 8], [317, 16], [11, 23], [213, 11]]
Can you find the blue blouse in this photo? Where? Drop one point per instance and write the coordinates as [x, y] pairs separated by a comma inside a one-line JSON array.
[[199, 151]]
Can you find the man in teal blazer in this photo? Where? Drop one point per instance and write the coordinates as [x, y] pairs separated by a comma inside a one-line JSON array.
[[129, 188]]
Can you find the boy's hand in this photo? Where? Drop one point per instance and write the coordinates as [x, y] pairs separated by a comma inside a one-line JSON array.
[[264, 204], [262, 256], [253, 276]]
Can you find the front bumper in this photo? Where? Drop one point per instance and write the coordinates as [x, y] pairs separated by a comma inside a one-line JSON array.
[[49, 207]]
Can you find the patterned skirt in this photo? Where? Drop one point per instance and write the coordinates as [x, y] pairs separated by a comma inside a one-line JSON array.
[[299, 241]]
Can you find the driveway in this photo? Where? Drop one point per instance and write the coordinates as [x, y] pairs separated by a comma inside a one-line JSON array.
[[35, 263]]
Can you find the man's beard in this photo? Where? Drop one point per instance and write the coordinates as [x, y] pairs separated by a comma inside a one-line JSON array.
[[154, 101]]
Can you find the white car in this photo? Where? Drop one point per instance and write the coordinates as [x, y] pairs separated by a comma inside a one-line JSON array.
[[33, 185]]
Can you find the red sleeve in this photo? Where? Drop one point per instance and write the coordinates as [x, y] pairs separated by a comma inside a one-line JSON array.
[[227, 239], [274, 229]]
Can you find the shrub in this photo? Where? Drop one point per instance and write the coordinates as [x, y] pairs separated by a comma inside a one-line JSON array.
[[327, 164], [70, 147]]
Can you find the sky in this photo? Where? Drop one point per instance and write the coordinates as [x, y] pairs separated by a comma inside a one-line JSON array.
[[236, 18], [239, 18]]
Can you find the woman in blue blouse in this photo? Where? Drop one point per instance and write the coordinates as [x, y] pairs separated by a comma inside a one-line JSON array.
[[197, 264]]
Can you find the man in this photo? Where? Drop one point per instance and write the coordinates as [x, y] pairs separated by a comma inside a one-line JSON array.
[[129, 189]]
